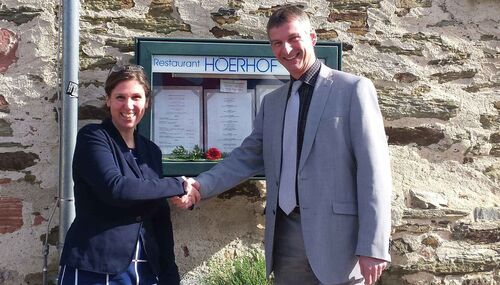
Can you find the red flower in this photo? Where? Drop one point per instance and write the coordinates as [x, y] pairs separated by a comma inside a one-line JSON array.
[[213, 154]]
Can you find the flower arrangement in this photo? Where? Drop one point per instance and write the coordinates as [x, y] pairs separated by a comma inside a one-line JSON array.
[[213, 154], [181, 153]]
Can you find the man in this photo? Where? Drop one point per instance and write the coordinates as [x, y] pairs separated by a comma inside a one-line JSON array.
[[324, 152]]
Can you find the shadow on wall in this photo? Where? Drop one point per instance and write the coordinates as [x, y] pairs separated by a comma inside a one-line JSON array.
[[224, 225]]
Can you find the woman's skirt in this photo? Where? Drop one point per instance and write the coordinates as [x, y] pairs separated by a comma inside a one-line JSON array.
[[138, 273]]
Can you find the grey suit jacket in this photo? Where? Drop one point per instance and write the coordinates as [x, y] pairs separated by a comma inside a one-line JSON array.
[[344, 176]]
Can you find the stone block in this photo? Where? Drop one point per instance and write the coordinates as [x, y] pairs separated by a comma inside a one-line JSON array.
[[9, 42], [18, 160], [11, 214], [8, 276], [461, 265], [423, 37], [158, 8], [450, 214], [474, 88], [453, 75], [493, 172], [457, 58], [489, 38], [427, 200], [89, 112], [496, 104], [126, 45], [30, 178], [221, 33], [495, 150], [225, 16], [113, 5], [399, 51], [488, 214], [160, 18], [394, 106], [14, 144], [421, 136], [482, 278], [33, 278], [4, 105], [325, 34], [490, 121], [431, 241], [413, 228], [357, 19], [408, 4], [353, 12], [400, 247], [401, 12], [53, 238], [96, 83], [5, 129], [405, 77], [38, 219], [266, 11], [357, 5], [446, 23], [392, 49], [420, 90], [19, 15], [347, 47], [164, 24], [477, 233], [248, 189], [103, 62]]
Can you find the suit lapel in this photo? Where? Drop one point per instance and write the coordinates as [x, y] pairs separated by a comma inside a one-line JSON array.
[[278, 109], [318, 103], [129, 157], [145, 157]]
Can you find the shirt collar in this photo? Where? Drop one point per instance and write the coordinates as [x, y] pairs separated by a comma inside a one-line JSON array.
[[311, 74]]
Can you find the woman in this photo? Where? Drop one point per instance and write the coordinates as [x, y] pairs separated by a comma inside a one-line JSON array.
[[122, 233]]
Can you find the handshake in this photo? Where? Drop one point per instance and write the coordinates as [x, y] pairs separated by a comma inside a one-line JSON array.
[[191, 194]]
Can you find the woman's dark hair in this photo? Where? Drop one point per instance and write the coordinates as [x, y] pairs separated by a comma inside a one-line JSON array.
[[120, 73]]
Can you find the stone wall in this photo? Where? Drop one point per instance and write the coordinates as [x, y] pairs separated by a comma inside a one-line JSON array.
[[435, 64]]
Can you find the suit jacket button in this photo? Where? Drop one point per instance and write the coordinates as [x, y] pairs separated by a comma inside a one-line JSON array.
[[138, 219]]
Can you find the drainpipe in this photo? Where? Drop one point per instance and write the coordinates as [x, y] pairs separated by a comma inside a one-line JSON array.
[[69, 114]]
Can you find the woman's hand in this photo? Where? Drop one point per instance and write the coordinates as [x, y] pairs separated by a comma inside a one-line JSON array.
[[191, 197]]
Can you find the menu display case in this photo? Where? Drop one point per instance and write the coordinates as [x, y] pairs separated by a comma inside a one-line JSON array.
[[206, 93]]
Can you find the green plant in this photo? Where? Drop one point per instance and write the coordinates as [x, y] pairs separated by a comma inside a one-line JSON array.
[[248, 269], [180, 152], [196, 153]]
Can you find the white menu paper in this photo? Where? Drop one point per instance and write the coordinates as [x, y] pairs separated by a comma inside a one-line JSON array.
[[177, 117], [228, 118], [261, 91], [233, 86]]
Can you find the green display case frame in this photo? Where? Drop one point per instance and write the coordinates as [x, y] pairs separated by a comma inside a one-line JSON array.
[[145, 48]]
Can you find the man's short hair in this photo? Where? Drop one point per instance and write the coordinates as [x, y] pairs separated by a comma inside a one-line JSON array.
[[286, 14]]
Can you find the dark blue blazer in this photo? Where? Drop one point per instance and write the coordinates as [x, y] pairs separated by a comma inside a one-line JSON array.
[[117, 199]]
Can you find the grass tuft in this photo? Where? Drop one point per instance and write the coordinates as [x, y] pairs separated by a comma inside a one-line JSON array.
[[248, 269]]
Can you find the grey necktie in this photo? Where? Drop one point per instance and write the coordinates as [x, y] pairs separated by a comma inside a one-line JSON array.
[[287, 199]]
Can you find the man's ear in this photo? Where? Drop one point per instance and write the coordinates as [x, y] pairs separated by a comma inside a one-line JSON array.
[[314, 37]]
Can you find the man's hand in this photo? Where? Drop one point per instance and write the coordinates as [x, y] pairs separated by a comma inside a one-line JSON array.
[[191, 197], [191, 181], [371, 268]]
